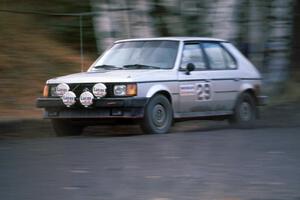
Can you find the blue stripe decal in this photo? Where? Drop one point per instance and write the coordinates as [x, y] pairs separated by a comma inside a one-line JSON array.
[[213, 79]]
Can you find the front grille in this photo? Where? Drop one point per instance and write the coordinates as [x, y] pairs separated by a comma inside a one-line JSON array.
[[79, 88]]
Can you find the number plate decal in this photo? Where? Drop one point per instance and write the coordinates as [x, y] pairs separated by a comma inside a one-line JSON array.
[[203, 91]]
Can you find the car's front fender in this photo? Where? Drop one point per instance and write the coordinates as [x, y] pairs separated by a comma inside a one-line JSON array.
[[157, 88]]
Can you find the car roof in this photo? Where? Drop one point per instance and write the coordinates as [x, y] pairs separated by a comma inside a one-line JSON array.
[[174, 39]]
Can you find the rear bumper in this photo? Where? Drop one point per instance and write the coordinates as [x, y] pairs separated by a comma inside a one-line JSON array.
[[101, 108], [263, 100]]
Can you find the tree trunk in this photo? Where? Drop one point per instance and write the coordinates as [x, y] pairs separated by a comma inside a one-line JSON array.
[[295, 66]]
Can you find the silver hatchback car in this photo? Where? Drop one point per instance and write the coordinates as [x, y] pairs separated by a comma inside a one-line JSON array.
[[155, 82]]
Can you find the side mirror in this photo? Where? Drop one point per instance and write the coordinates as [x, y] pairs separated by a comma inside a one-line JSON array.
[[190, 67]]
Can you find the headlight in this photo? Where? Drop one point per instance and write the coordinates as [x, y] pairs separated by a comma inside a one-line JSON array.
[[120, 90], [125, 90], [53, 91]]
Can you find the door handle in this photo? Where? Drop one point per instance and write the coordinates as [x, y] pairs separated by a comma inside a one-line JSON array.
[[236, 79]]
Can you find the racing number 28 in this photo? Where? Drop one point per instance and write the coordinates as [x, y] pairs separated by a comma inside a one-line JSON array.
[[203, 91]]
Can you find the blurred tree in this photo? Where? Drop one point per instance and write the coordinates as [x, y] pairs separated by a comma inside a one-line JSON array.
[[159, 13], [242, 22], [63, 28], [68, 27], [296, 41], [279, 40], [261, 29], [193, 14]]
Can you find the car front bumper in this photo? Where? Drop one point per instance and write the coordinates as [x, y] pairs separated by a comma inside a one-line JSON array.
[[101, 108]]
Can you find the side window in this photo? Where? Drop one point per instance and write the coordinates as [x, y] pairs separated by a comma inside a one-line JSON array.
[[192, 53], [230, 62], [218, 57]]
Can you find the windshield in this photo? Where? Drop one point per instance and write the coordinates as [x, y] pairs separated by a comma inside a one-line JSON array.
[[139, 55]]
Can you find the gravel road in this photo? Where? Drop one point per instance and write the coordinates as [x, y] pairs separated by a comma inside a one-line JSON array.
[[231, 164]]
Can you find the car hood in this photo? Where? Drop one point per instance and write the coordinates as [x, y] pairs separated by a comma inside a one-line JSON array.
[[114, 76]]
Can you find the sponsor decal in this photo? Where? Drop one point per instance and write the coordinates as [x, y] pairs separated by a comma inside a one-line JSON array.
[[187, 90], [69, 98], [99, 90], [86, 99]]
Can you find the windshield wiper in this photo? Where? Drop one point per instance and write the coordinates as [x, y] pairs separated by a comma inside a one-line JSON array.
[[140, 66], [106, 67]]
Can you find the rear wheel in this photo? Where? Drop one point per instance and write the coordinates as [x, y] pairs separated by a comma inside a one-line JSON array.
[[245, 112], [158, 115], [64, 127]]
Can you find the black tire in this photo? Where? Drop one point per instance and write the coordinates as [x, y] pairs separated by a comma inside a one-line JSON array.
[[63, 127], [245, 112], [158, 115]]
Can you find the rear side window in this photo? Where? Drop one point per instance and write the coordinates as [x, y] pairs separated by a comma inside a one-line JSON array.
[[230, 62], [218, 57]]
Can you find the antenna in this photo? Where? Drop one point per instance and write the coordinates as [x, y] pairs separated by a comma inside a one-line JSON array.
[[81, 43]]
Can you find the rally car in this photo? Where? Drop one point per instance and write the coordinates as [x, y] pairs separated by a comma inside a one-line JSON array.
[[156, 82]]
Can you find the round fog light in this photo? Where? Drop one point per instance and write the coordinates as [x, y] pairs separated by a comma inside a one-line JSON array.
[[86, 99], [61, 89], [99, 90], [69, 98]]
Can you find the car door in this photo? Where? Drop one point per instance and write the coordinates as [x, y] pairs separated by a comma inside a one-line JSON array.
[[224, 76], [195, 92]]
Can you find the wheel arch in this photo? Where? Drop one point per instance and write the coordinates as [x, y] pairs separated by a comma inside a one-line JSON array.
[[250, 89], [160, 89]]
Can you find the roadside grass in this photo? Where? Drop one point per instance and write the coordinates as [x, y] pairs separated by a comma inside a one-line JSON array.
[[29, 55], [289, 92]]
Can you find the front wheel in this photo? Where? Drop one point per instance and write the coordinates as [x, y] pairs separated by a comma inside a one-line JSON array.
[[64, 127], [245, 112], [158, 115]]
